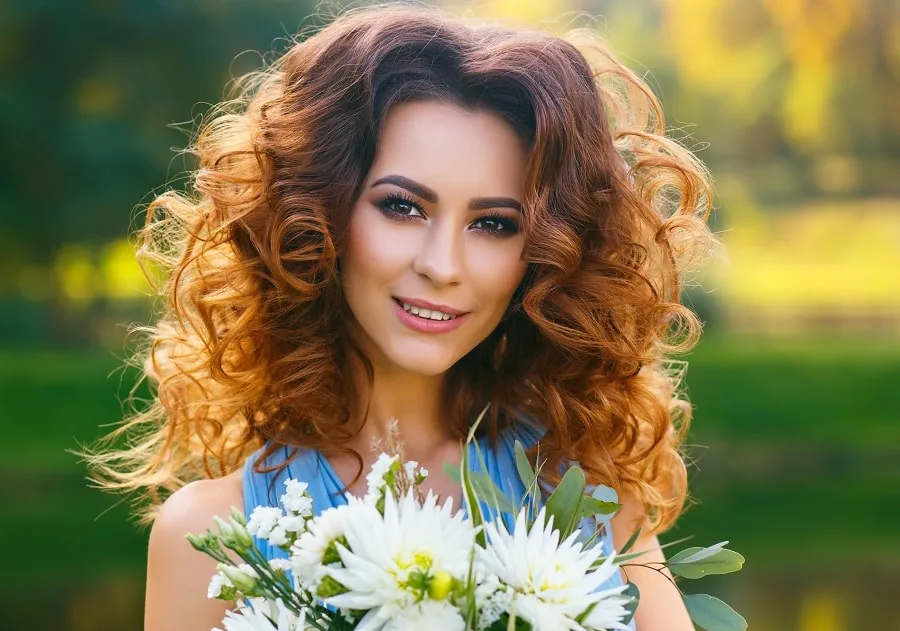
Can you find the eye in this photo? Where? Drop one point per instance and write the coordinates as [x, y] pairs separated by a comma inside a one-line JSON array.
[[400, 206], [497, 225]]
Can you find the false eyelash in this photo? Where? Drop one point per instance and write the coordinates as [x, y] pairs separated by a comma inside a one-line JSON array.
[[403, 198], [510, 227]]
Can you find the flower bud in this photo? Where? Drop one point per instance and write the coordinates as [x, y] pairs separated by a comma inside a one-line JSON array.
[[242, 538], [440, 585], [225, 529], [242, 581], [238, 516], [198, 542]]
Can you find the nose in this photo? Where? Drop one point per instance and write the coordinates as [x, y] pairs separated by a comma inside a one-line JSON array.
[[440, 254]]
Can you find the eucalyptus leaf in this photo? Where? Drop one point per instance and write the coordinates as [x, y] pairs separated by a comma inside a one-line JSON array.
[[565, 503], [453, 472], [711, 614], [605, 493], [722, 562], [592, 507], [689, 555], [632, 591]]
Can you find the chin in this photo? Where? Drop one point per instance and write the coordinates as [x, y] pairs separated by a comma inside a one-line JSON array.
[[424, 365], [429, 360]]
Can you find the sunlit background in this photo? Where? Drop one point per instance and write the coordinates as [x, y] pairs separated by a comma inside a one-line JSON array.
[[793, 104]]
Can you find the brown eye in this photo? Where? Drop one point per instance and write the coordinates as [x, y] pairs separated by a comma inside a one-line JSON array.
[[496, 225], [400, 206]]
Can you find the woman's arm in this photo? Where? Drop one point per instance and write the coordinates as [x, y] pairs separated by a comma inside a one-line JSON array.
[[177, 575], [661, 607]]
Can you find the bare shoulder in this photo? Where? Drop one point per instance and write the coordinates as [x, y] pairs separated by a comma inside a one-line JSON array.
[[177, 575], [661, 607], [193, 506]]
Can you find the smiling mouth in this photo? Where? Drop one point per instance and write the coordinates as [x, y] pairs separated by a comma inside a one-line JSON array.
[[425, 314]]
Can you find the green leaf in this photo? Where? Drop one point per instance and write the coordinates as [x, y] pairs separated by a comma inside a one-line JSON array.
[[605, 493], [526, 471], [631, 541], [453, 472], [710, 613], [485, 487], [491, 493], [592, 507], [634, 593], [565, 503], [722, 562], [690, 555], [474, 507]]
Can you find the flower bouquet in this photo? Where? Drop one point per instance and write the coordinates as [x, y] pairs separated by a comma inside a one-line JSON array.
[[399, 560]]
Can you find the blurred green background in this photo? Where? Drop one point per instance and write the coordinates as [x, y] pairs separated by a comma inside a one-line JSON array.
[[793, 104]]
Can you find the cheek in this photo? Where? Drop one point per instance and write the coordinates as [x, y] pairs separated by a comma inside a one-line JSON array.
[[500, 270], [371, 250]]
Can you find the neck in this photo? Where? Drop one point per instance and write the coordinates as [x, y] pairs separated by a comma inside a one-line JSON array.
[[405, 404]]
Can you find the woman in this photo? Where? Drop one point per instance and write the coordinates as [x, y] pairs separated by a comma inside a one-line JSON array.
[[412, 217]]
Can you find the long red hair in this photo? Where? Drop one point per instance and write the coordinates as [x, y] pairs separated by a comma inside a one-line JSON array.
[[251, 348]]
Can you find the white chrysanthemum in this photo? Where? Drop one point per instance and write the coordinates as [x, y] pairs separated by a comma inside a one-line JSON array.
[[263, 615], [429, 614], [551, 581], [262, 520], [308, 552], [383, 553], [295, 499]]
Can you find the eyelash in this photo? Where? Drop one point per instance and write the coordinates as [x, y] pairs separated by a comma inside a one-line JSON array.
[[389, 204]]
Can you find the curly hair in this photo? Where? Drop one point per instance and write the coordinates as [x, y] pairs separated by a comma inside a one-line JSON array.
[[252, 347]]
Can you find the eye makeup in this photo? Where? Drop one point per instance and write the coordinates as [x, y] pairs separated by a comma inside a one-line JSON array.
[[402, 206]]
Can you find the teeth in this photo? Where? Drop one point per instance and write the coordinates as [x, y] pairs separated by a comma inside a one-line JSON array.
[[427, 314]]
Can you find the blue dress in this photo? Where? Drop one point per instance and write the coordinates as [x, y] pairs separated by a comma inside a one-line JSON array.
[[324, 485]]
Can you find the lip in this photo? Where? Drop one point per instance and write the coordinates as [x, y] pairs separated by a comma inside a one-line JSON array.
[[422, 325], [424, 304]]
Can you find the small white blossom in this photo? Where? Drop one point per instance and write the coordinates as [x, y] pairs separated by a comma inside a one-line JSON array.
[[216, 583], [375, 478], [296, 499], [262, 520], [494, 606], [410, 469], [278, 536], [293, 523]]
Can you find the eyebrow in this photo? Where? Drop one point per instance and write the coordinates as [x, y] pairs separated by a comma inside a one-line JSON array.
[[420, 190]]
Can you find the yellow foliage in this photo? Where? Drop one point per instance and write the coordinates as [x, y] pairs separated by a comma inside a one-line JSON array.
[[820, 611], [121, 274], [708, 59], [84, 276], [525, 11], [76, 274], [829, 255]]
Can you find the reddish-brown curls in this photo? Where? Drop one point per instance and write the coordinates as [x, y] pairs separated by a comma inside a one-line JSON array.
[[251, 347]]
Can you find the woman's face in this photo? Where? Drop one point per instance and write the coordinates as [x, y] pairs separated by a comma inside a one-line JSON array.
[[434, 252]]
